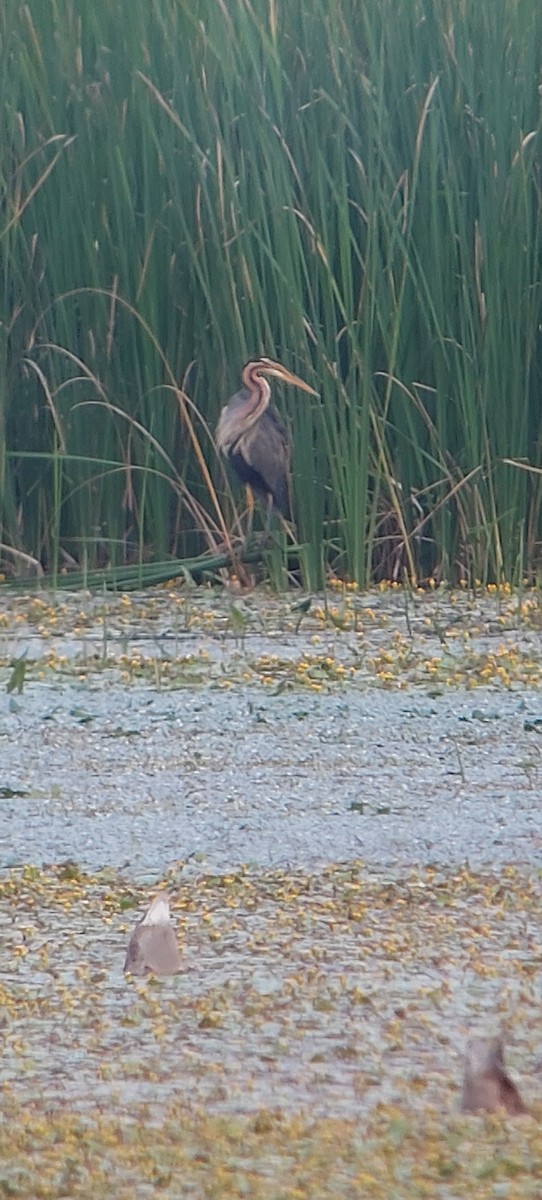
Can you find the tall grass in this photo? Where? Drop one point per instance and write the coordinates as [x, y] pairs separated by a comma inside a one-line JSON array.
[[352, 187]]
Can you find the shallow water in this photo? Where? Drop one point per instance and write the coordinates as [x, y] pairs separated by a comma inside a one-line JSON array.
[[136, 779]]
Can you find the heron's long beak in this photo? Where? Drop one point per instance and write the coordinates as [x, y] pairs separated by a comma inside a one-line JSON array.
[[288, 377]]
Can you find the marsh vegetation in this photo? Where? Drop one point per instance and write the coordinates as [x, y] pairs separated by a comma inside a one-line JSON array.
[[354, 189]]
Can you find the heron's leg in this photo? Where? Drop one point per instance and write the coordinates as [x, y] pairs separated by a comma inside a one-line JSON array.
[[250, 512], [268, 513], [267, 535]]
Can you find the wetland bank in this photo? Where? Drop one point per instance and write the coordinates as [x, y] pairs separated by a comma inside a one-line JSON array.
[[344, 804]]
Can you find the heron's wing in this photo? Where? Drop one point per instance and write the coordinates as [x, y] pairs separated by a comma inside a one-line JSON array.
[[267, 450], [230, 423]]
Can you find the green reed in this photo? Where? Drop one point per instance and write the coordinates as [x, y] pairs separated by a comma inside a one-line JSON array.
[[351, 187]]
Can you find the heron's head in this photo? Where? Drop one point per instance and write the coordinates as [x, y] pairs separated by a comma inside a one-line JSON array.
[[267, 366]]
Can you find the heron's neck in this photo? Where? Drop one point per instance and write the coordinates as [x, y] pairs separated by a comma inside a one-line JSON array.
[[260, 394]]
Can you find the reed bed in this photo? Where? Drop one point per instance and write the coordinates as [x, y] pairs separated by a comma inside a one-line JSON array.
[[353, 188]]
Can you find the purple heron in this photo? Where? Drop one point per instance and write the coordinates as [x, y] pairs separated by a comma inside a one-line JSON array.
[[253, 437]]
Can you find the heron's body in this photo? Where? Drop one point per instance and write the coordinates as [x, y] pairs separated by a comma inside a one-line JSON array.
[[261, 457], [253, 436]]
